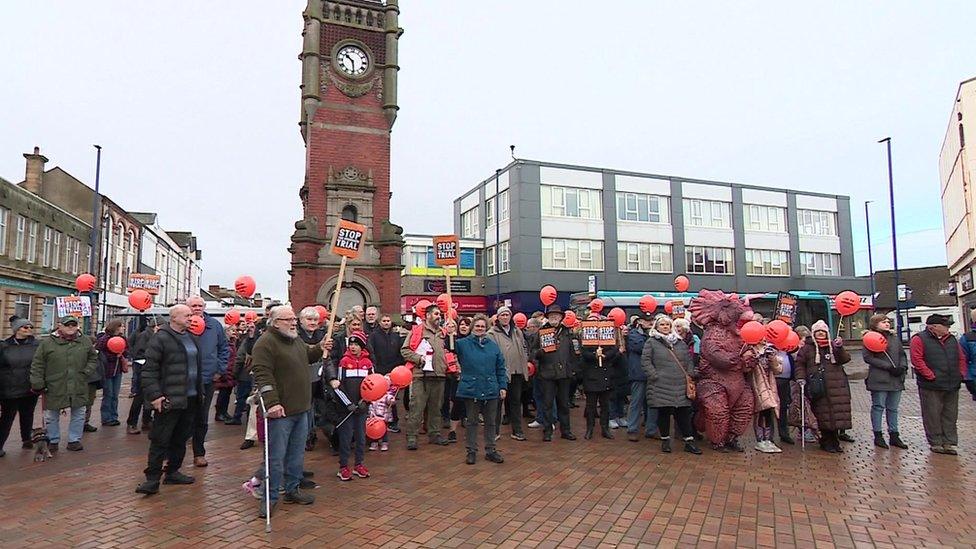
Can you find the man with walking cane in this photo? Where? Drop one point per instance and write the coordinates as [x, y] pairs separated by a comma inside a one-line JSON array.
[[281, 373], [172, 383]]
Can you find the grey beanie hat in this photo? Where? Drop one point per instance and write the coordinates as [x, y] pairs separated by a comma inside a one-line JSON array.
[[503, 309], [20, 323]]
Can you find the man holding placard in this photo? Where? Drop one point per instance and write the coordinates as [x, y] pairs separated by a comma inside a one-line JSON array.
[[555, 352], [425, 348]]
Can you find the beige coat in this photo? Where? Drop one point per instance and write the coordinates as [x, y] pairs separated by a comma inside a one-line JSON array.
[[763, 379], [513, 349]]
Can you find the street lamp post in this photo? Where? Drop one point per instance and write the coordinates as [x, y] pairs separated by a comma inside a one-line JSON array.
[[498, 246], [95, 226], [894, 237], [867, 222]]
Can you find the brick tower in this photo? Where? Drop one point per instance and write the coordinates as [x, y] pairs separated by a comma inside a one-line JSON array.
[[349, 105]]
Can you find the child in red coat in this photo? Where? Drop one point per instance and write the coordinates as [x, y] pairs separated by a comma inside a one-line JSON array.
[[353, 367]]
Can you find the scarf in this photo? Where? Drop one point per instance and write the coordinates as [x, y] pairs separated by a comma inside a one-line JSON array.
[[68, 338], [818, 343]]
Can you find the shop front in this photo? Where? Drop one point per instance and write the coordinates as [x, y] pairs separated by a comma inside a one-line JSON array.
[[31, 300], [466, 305]]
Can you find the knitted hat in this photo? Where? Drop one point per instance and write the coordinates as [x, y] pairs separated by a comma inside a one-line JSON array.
[[819, 326], [359, 337], [503, 309], [20, 323]]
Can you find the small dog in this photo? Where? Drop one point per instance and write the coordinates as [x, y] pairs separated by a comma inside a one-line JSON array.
[[42, 451]]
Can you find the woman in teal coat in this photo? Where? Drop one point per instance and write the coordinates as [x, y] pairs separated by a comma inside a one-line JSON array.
[[483, 382]]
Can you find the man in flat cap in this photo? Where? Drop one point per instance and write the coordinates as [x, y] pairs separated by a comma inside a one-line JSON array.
[[940, 363]]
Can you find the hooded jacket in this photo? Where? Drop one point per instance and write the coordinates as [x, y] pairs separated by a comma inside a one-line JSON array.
[[15, 365], [213, 349], [435, 338], [513, 348], [61, 367], [666, 386], [483, 372]]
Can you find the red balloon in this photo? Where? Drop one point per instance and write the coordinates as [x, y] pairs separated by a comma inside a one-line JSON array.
[[875, 342], [790, 343], [531, 368], [452, 314], [520, 320], [245, 286], [596, 305], [116, 345], [668, 307], [323, 314], [140, 300], [375, 428], [681, 283], [752, 332], [85, 282], [443, 303], [250, 316], [569, 319], [618, 316], [197, 325], [847, 303], [648, 304], [401, 377], [420, 309], [373, 387], [777, 331], [548, 295], [232, 317]]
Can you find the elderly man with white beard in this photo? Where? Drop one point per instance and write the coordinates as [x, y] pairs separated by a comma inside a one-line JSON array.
[[281, 373]]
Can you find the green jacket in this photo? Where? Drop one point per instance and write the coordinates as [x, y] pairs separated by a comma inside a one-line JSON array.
[[282, 363], [61, 369]]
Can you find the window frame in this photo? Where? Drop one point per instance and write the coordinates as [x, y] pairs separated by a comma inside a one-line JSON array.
[[567, 254], [767, 257], [639, 257], [4, 225], [707, 257], [46, 247], [470, 224]]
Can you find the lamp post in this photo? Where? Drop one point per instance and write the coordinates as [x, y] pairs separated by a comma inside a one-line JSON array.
[[867, 222], [95, 226], [498, 245], [894, 237]]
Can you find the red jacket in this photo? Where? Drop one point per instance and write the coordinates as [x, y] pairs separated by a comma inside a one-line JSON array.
[[350, 361], [918, 358]]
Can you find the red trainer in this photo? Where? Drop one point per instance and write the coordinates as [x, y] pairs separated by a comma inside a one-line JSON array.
[[361, 471], [344, 474]]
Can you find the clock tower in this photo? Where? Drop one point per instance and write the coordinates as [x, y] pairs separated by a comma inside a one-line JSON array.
[[349, 105]]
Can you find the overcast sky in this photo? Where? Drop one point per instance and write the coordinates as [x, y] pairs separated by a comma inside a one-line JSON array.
[[196, 105]]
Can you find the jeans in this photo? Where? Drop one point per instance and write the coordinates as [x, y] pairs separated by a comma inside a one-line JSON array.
[[638, 406], [242, 391], [11, 407], [882, 401], [76, 427], [353, 430], [167, 439], [110, 397], [203, 419], [287, 452], [940, 410], [489, 409]]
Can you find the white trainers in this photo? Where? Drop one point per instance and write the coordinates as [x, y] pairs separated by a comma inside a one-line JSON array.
[[766, 447], [614, 424], [773, 448], [534, 425]]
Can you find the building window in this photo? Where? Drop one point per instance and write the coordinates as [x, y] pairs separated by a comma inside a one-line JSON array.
[[20, 238], [489, 212], [490, 261], [469, 224], [574, 255], [771, 219], [503, 257], [56, 251], [418, 258], [503, 205], [46, 247], [707, 213], [819, 264], [817, 223], [708, 260], [647, 208], [767, 262], [350, 213], [4, 221], [32, 242], [639, 257], [74, 257], [47, 315], [22, 306], [571, 202]]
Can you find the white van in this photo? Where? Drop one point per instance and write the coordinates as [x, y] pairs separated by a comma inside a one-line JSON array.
[[915, 319]]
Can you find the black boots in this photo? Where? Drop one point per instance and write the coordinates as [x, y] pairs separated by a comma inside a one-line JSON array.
[[666, 445], [589, 429], [879, 440], [691, 448], [605, 431], [896, 440]]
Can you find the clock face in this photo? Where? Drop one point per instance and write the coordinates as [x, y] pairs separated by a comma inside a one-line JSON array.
[[352, 61]]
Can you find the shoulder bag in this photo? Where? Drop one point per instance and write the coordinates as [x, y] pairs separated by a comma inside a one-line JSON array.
[[691, 391]]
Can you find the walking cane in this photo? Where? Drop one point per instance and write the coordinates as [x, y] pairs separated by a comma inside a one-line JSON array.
[[267, 461], [803, 415]]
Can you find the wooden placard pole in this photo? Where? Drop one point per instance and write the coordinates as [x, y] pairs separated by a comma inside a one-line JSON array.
[[335, 298], [346, 243], [447, 254]]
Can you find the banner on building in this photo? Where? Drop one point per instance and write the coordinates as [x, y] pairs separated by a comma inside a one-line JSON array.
[[348, 239], [73, 305], [140, 281], [547, 340], [439, 286], [786, 307], [447, 250], [598, 332]]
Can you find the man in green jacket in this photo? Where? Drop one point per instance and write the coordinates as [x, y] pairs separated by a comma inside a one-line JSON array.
[[60, 370], [425, 348]]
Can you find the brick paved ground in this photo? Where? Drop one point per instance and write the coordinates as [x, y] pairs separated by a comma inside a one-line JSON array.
[[595, 493]]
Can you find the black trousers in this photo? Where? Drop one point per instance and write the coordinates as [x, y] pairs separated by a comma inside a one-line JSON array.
[[223, 401], [202, 421], [682, 417], [513, 403], [135, 409], [23, 407], [592, 399], [785, 399], [557, 389], [167, 439]]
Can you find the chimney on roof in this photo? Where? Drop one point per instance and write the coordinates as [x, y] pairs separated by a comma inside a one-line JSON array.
[[35, 171]]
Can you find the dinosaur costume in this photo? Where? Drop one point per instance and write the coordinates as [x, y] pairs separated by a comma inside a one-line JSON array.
[[725, 398]]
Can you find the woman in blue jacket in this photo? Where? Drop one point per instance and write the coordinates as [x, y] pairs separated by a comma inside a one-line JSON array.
[[483, 382]]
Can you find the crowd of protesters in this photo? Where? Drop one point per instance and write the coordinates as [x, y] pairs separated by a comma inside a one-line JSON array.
[[480, 373]]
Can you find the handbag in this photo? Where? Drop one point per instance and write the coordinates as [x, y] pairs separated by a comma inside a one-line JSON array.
[[816, 384], [691, 390]]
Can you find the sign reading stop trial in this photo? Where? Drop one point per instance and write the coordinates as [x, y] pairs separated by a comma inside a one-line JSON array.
[[347, 242]]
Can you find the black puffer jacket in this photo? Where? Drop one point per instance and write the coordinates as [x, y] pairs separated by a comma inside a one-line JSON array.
[[597, 378], [386, 350], [15, 362], [166, 372], [561, 363]]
